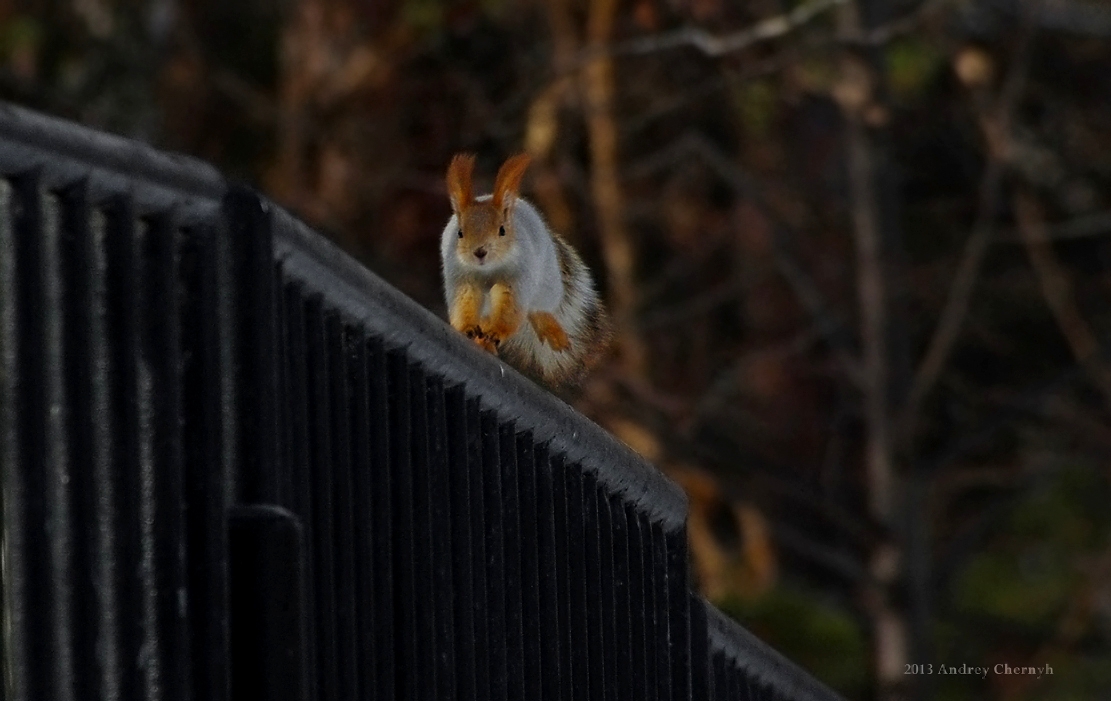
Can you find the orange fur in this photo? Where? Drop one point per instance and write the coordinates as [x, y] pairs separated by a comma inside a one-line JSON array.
[[549, 331], [496, 228], [508, 181], [465, 309], [459, 181], [505, 314]]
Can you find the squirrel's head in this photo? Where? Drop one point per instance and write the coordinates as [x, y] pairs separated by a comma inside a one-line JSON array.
[[485, 235]]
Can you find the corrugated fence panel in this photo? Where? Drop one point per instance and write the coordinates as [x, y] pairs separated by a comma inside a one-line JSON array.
[[236, 465]]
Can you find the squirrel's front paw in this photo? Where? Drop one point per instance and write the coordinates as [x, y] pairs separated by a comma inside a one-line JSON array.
[[482, 339], [490, 341], [487, 344]]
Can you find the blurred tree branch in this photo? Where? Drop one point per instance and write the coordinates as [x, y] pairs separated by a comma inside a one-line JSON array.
[[772, 28], [855, 91], [996, 124], [1082, 17], [542, 126], [711, 45], [747, 187], [617, 246], [716, 449], [1083, 226], [1058, 290]]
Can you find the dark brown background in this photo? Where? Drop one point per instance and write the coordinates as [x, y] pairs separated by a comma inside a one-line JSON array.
[[858, 252]]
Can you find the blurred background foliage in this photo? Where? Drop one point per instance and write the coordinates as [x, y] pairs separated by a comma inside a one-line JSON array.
[[858, 250]]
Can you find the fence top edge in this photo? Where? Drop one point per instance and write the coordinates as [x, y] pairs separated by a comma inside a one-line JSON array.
[[400, 321], [67, 151], [62, 145], [761, 661]]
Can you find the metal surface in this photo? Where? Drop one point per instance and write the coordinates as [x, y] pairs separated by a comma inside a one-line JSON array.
[[236, 464]]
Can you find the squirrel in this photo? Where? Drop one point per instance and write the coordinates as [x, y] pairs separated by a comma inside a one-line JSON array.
[[515, 287]]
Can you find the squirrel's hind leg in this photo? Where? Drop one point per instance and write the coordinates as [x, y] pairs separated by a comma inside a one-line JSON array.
[[549, 331]]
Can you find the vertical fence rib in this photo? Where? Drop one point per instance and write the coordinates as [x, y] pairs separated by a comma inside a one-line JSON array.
[[234, 462]]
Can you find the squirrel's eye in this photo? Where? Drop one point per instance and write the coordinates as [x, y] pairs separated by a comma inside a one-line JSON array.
[[501, 231], [460, 233]]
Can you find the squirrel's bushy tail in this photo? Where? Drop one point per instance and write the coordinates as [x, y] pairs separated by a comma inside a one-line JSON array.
[[584, 318]]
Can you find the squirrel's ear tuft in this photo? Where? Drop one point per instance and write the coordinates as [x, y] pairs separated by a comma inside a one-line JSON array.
[[459, 175], [508, 181]]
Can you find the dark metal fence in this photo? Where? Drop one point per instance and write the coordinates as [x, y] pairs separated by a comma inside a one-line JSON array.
[[237, 465]]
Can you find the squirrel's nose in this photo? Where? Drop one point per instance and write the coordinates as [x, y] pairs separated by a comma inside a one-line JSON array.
[[480, 253]]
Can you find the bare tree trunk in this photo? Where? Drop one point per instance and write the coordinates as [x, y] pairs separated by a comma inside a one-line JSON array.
[[543, 124], [854, 92], [617, 247], [889, 626], [288, 175], [873, 322]]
